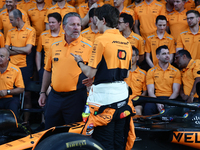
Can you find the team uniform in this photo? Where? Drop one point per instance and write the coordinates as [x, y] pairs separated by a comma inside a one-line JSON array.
[[109, 88], [187, 40], [153, 42], [137, 41], [190, 5], [5, 24], [26, 5], [11, 77], [2, 41], [37, 19], [132, 6], [68, 96], [128, 11], [66, 9], [197, 8], [89, 34], [188, 76], [44, 43], [146, 14], [20, 38], [163, 84], [83, 8], [177, 23], [137, 82]]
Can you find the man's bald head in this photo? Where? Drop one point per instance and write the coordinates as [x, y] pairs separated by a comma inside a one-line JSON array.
[[4, 56]]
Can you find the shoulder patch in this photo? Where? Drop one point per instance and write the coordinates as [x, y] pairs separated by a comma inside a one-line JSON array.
[[150, 36], [52, 7], [171, 13], [3, 12], [198, 6], [169, 37], [158, 4], [135, 37], [28, 28], [174, 69], [86, 44], [31, 9], [14, 68], [127, 11], [70, 6], [139, 5], [154, 69], [184, 32], [85, 31], [56, 42], [11, 29], [83, 6], [142, 72], [129, 6], [45, 33]]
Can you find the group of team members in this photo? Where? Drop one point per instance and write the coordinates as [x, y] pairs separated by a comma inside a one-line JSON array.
[[66, 78]]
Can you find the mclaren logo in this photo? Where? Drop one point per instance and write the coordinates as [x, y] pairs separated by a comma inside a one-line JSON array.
[[121, 54]]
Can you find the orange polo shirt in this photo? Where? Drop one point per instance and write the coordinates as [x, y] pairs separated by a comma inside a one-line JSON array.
[[146, 14], [2, 3], [137, 82], [5, 24], [37, 19], [190, 5], [20, 38], [66, 75], [137, 41], [198, 8], [26, 5], [128, 11], [89, 34], [83, 8], [190, 42], [46, 40], [132, 6], [163, 80], [153, 42], [11, 77], [189, 74], [177, 23], [111, 56], [66, 9], [2, 41]]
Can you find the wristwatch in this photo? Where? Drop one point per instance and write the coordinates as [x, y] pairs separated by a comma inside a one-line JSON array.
[[10, 47], [8, 92]]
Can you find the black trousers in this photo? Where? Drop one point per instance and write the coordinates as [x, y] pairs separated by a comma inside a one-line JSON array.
[[64, 108], [112, 135]]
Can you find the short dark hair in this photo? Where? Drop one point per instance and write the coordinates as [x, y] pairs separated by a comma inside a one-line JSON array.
[[55, 15], [184, 52], [136, 50], [109, 13], [160, 17], [193, 11], [158, 50], [127, 18], [91, 12], [17, 13]]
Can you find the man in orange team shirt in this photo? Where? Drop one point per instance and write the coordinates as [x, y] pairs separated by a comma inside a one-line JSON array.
[[5, 24], [60, 7], [145, 16], [178, 20]]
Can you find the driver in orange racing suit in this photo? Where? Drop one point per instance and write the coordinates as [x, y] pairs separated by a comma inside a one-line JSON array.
[[108, 99]]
